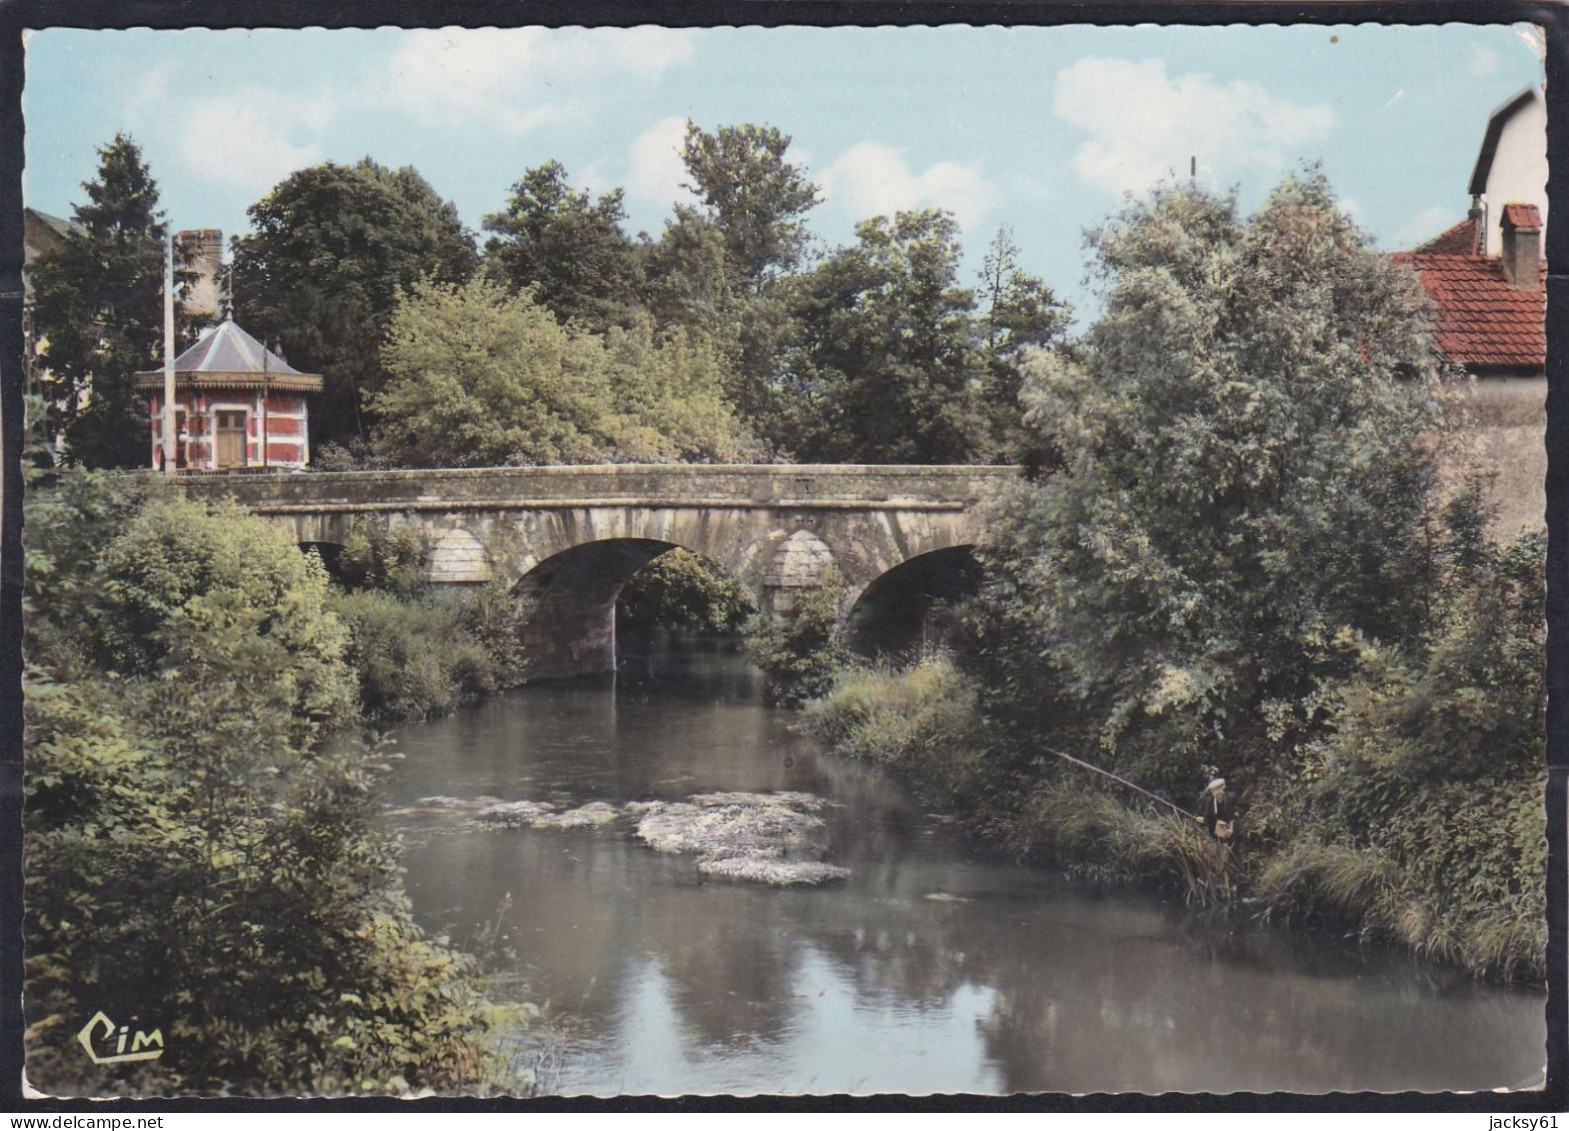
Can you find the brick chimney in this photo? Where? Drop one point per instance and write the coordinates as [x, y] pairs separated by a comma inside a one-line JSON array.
[[203, 255], [1521, 253]]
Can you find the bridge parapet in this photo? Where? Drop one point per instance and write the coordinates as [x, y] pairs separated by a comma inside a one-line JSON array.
[[778, 486]]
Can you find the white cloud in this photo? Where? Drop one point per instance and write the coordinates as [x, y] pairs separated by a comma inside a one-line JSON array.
[[148, 93], [1484, 61], [1144, 125], [876, 180], [646, 52], [1423, 226], [518, 78], [251, 138], [594, 180], [655, 171]]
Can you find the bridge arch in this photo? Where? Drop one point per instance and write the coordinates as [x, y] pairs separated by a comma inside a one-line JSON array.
[[569, 604], [898, 611]]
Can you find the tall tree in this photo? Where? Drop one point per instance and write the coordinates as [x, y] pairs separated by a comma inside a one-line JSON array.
[[889, 366], [1021, 311], [481, 377], [1243, 487], [1021, 316], [97, 307], [569, 247], [751, 226], [686, 275], [331, 248], [756, 198]]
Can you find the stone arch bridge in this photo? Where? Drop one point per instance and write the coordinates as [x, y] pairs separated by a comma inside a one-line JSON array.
[[566, 539]]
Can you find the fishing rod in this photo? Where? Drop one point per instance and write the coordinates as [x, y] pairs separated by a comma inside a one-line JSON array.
[[1122, 781]]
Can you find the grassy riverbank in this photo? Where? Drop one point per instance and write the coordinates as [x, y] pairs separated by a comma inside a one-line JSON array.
[[1455, 872], [1255, 540]]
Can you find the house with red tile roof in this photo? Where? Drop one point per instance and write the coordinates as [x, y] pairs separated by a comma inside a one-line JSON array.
[[1491, 309], [1487, 278]]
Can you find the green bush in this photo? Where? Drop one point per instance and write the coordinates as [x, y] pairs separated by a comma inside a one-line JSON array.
[[236, 894], [195, 861], [1242, 462], [376, 556], [919, 719], [413, 657], [680, 589], [492, 617], [800, 650], [130, 577]]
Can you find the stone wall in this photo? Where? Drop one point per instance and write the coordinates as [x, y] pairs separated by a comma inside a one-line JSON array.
[[1509, 441]]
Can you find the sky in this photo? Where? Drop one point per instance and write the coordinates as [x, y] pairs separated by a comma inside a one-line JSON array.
[[1043, 130]]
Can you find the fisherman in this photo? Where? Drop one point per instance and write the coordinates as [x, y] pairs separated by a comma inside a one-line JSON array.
[[1219, 817]]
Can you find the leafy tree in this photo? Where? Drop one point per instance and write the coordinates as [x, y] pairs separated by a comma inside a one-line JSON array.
[[667, 398], [688, 284], [196, 862], [754, 197], [890, 368], [800, 649], [568, 247], [484, 378], [679, 589], [1245, 460], [720, 267], [1021, 316], [686, 278], [332, 245], [98, 306], [1015, 311]]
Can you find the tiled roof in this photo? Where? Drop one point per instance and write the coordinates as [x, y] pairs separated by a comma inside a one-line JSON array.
[[229, 349], [1459, 240], [1522, 216], [1482, 320], [228, 356]]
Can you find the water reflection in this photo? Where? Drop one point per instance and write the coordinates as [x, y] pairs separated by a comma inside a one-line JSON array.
[[935, 968]]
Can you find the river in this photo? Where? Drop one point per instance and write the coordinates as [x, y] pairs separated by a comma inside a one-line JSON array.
[[935, 967]]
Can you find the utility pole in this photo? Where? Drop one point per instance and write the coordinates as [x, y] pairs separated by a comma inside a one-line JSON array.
[[265, 409], [168, 354]]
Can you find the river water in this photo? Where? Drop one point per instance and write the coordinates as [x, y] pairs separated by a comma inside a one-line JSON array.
[[936, 967]]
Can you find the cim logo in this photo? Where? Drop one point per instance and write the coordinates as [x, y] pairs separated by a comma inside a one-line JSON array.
[[106, 1030]]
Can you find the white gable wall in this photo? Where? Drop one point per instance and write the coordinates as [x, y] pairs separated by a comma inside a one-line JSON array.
[[1519, 170]]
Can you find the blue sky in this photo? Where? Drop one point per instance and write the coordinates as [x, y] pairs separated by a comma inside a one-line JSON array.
[[1041, 129]]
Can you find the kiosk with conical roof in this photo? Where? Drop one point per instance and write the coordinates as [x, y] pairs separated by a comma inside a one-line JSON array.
[[238, 406]]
